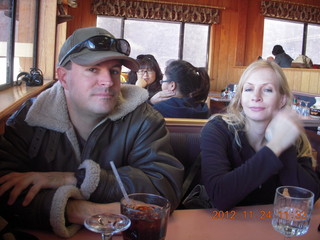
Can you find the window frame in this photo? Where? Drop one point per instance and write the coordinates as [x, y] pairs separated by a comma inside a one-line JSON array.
[[304, 36], [181, 34], [11, 42]]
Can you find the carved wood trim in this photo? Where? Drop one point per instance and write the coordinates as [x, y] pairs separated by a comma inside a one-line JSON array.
[[290, 11], [157, 11]]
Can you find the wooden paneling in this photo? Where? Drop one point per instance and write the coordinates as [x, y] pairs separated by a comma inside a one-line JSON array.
[[299, 79], [235, 41], [254, 33], [47, 38], [314, 83], [81, 17]]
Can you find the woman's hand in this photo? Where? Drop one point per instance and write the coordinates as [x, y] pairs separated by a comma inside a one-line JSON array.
[[162, 96], [283, 130], [18, 182], [141, 83]]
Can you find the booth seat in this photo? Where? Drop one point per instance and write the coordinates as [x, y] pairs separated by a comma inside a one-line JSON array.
[[185, 141]]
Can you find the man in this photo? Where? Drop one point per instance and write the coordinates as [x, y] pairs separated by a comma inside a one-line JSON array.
[[281, 57], [56, 151]]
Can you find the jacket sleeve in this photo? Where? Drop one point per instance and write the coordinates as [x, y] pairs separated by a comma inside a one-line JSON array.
[[144, 160], [228, 185], [297, 171], [47, 209]]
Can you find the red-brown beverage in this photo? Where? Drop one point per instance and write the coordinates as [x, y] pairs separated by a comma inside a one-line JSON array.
[[148, 221]]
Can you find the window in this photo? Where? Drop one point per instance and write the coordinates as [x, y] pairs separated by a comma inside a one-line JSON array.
[[313, 46], [296, 38], [160, 39], [18, 19], [195, 49], [163, 39]]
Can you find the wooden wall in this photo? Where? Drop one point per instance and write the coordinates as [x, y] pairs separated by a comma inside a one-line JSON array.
[[236, 41], [300, 80], [47, 38]]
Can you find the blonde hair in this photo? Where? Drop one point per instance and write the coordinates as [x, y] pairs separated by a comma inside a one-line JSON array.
[[235, 117]]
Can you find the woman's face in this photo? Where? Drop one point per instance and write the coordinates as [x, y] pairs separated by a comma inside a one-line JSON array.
[[146, 74], [261, 98]]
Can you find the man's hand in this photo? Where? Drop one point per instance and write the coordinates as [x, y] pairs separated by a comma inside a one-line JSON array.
[[17, 182], [78, 210]]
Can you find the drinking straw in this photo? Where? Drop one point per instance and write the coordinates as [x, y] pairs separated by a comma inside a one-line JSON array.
[[119, 180]]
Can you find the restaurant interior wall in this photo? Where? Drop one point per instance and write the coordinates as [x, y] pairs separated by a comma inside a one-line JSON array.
[[235, 41]]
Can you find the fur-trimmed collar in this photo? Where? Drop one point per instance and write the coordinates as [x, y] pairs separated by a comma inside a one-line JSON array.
[[50, 108], [50, 111]]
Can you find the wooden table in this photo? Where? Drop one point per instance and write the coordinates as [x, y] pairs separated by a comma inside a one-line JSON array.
[[250, 223], [217, 102], [216, 96], [310, 121]]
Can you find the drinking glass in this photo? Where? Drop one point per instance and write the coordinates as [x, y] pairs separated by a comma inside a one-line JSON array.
[[306, 109], [299, 107], [107, 224], [149, 215], [292, 210]]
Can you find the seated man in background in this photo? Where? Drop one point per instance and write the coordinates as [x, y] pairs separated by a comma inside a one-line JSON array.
[[56, 150], [281, 57]]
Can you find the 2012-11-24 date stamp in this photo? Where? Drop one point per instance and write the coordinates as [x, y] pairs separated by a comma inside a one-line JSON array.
[[244, 214]]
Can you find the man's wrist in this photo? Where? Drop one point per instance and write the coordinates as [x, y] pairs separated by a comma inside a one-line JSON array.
[[70, 179], [79, 176]]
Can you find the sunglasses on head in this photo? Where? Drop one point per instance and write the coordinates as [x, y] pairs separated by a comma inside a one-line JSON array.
[[100, 43]]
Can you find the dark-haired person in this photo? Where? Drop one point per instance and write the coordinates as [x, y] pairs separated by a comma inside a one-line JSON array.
[[281, 57], [56, 150], [184, 92], [149, 74], [258, 145]]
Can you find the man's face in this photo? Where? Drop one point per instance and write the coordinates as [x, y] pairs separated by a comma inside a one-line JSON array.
[[92, 90]]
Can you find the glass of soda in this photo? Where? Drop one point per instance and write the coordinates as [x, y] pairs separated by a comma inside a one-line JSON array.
[[148, 214]]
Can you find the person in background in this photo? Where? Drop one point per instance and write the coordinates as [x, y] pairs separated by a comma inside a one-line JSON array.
[[281, 58], [184, 92], [148, 76], [258, 145], [270, 58], [56, 151]]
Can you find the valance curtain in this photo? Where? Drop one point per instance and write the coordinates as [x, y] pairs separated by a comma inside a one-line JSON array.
[[290, 11], [156, 11]]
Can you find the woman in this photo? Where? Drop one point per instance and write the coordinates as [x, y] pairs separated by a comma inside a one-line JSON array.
[[148, 76], [258, 145], [184, 92]]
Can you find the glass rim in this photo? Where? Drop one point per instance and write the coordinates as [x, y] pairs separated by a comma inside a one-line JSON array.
[[167, 205], [295, 187]]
